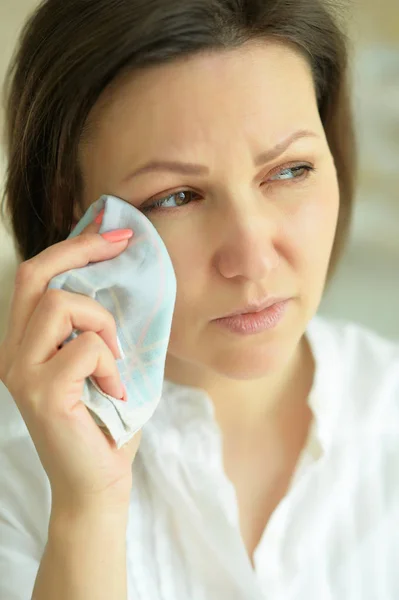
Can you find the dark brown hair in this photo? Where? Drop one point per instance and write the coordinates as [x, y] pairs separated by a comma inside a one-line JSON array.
[[70, 51]]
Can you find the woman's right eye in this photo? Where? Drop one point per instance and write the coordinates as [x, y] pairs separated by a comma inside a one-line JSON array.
[[160, 204]]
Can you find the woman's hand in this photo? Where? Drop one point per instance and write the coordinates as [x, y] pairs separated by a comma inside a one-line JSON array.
[[83, 465]]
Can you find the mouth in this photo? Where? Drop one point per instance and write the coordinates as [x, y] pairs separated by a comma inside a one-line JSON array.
[[255, 307]]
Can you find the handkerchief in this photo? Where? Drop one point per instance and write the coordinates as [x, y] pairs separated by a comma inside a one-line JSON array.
[[139, 288]]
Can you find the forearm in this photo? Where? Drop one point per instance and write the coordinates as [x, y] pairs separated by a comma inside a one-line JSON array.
[[85, 557]]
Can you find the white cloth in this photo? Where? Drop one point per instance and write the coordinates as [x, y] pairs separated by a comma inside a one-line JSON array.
[[334, 536], [138, 287]]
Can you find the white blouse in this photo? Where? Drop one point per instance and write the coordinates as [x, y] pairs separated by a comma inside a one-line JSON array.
[[334, 536]]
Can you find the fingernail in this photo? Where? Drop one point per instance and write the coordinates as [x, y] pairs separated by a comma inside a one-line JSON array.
[[99, 217], [118, 235], [124, 394]]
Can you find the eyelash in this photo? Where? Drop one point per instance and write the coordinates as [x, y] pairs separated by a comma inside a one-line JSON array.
[[156, 206]]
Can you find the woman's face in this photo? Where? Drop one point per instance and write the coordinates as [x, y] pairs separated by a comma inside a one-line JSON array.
[[243, 228]]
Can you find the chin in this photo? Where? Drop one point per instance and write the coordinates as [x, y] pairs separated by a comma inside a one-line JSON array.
[[249, 363]]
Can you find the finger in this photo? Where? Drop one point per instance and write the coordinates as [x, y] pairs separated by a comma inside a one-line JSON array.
[[86, 355], [34, 275], [95, 225], [56, 315]]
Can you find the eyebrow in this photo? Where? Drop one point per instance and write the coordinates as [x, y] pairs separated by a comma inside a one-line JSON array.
[[194, 169]]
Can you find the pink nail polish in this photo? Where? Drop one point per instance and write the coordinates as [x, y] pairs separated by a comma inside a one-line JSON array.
[[124, 397], [118, 235], [99, 217]]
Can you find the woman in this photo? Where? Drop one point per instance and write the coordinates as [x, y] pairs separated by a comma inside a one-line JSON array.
[[265, 471]]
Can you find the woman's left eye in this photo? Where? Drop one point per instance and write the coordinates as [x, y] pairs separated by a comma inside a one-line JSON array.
[[298, 169], [288, 173]]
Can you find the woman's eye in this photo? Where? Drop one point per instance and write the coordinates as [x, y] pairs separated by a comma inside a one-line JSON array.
[[178, 198], [296, 171], [184, 197]]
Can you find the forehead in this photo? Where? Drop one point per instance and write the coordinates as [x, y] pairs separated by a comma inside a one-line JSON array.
[[254, 81], [203, 105]]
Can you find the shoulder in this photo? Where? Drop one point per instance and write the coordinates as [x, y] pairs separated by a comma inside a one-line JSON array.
[[360, 368]]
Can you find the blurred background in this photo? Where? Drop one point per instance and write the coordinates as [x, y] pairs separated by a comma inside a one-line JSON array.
[[366, 287]]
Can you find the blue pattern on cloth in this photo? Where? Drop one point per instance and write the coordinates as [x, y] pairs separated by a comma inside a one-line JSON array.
[[138, 287]]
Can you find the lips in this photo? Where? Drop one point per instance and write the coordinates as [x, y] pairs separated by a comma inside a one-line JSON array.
[[255, 307]]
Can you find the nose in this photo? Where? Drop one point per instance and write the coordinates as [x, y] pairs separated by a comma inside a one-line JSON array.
[[248, 244]]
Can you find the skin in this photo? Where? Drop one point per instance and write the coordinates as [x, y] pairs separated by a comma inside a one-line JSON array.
[[244, 233]]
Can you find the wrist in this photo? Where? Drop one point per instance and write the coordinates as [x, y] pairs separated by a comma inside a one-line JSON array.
[[99, 511], [113, 502], [86, 529]]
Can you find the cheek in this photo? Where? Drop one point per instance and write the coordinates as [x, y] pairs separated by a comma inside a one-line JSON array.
[[186, 251], [312, 227], [187, 256]]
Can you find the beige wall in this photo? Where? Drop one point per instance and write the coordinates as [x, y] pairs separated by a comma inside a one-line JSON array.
[[12, 15], [369, 274], [367, 286]]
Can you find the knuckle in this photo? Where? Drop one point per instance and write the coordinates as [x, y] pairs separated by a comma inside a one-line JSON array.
[[91, 340], [106, 318], [85, 240], [110, 319], [53, 298], [25, 273]]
